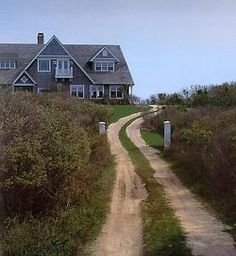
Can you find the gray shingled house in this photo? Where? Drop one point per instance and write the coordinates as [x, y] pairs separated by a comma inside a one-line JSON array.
[[84, 71]]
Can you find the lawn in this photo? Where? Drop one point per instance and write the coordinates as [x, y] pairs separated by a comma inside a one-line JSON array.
[[153, 139], [119, 111]]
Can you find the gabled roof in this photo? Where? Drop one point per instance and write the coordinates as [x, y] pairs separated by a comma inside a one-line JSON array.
[[83, 53], [26, 54], [54, 48], [99, 54], [24, 79], [53, 44]]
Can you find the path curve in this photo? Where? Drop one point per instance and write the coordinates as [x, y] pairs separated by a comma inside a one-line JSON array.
[[204, 231], [122, 233]]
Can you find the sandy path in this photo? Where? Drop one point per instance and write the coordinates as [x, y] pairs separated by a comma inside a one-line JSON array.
[[204, 231], [122, 233]]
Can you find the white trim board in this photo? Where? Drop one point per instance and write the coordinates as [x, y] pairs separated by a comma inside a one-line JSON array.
[[49, 62], [20, 85], [37, 55], [76, 86], [118, 98], [103, 91], [27, 75], [103, 48]]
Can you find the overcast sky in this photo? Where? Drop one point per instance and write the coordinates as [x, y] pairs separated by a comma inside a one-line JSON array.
[[168, 44]]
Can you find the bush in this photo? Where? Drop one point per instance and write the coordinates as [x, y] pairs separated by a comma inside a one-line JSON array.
[[44, 153], [204, 145], [53, 161]]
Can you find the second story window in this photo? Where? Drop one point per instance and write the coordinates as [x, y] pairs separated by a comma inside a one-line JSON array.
[[44, 65], [104, 66], [7, 64]]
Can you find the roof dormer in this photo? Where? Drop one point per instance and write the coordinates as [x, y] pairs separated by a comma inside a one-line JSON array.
[[104, 54], [104, 60]]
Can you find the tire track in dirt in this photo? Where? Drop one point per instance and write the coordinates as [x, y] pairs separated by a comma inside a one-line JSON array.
[[204, 232], [122, 233]]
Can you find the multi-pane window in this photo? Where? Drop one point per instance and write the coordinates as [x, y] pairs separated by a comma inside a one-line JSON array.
[[98, 66], [104, 66], [96, 91], [77, 91], [7, 64], [44, 65], [116, 92]]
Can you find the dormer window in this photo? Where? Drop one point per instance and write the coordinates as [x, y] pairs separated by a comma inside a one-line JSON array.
[[44, 65], [7, 64], [104, 66]]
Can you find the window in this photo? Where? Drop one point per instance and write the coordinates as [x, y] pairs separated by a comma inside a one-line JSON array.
[[116, 92], [96, 91], [77, 91], [7, 65], [104, 66], [110, 66], [44, 65], [98, 66], [43, 90]]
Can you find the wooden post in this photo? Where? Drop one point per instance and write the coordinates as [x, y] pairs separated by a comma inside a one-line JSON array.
[[167, 134], [102, 127]]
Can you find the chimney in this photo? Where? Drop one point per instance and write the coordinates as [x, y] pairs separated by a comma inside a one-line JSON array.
[[40, 38]]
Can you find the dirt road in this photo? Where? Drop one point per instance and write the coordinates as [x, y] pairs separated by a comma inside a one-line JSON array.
[[122, 233], [204, 231]]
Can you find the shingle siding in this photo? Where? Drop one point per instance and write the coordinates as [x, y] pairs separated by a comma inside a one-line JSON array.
[[79, 77], [54, 48], [29, 80], [23, 54]]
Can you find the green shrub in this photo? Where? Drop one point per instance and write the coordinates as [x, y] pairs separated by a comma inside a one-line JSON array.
[[204, 146], [53, 162], [44, 153]]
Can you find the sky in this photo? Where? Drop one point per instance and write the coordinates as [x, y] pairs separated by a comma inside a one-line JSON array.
[[169, 44]]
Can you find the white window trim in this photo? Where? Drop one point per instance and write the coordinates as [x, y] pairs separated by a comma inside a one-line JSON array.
[[45, 46], [77, 85], [103, 48], [116, 92], [5, 65], [63, 59], [90, 89], [102, 61], [42, 88], [44, 71]]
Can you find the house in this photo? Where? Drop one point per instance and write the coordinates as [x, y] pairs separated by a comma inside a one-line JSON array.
[[84, 71]]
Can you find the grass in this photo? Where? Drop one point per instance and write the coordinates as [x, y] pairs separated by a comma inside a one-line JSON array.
[[153, 139], [163, 235], [119, 111], [101, 203]]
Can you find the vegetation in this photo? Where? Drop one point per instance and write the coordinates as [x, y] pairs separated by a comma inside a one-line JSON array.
[[204, 145], [153, 139], [56, 174], [162, 232], [119, 111], [219, 96]]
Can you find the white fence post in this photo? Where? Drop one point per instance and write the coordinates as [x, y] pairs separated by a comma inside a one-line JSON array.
[[102, 127], [167, 134]]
